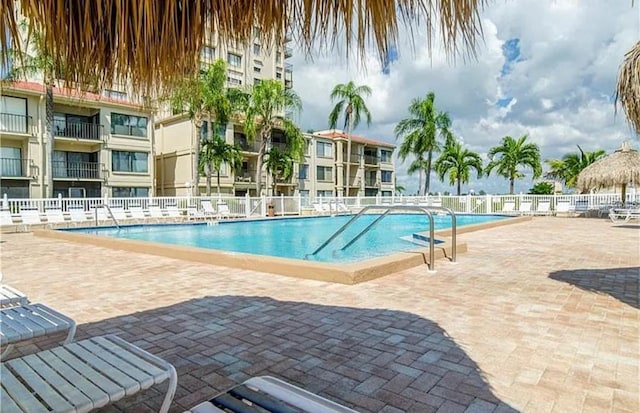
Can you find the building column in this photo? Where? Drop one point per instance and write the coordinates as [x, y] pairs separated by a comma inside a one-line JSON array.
[[340, 184]]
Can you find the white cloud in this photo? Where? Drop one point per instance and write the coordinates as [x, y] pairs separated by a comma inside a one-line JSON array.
[[560, 87]]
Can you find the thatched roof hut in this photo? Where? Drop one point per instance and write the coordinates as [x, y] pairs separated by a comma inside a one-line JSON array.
[[617, 169], [628, 87], [153, 43]]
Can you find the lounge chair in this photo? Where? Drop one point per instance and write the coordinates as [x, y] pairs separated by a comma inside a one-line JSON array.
[[82, 376], [269, 395], [208, 208], [119, 213], [10, 297], [321, 209], [173, 211], [30, 216], [6, 219], [78, 215], [544, 208], [137, 213], [618, 216], [54, 216], [155, 212], [24, 322], [508, 207], [525, 208], [223, 210], [564, 207], [193, 213], [100, 214]]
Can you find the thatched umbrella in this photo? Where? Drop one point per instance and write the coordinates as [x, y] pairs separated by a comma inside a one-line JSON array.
[[153, 43], [628, 87], [618, 169]]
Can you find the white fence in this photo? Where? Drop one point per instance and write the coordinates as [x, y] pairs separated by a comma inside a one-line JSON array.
[[259, 206]]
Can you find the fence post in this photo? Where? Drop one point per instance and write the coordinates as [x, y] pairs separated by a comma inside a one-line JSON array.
[[489, 203], [282, 204], [468, 206], [247, 205], [299, 204], [60, 201], [378, 198], [263, 206], [5, 201]]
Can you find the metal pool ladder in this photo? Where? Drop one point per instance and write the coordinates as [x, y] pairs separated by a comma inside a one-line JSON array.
[[110, 214], [388, 208]]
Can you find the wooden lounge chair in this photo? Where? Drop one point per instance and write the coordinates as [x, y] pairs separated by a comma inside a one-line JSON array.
[[82, 376], [24, 322], [268, 394]]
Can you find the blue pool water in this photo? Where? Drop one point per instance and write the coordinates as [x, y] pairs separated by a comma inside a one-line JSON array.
[[296, 237]]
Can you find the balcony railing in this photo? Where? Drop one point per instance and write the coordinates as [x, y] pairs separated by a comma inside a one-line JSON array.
[[247, 176], [76, 170], [371, 160], [78, 130], [247, 146], [288, 67], [370, 182], [15, 123], [288, 52], [13, 167]]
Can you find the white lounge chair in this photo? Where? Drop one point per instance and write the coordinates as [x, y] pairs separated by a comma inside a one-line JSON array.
[[137, 213], [82, 376], [544, 208], [564, 207], [30, 216], [223, 210], [272, 395], [173, 211], [54, 216], [620, 215], [100, 214], [193, 213], [10, 297], [208, 208], [509, 207], [525, 208], [119, 213], [321, 209], [155, 212], [24, 322], [6, 219], [78, 215]]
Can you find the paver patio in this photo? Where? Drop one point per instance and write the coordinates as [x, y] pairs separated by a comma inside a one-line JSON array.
[[540, 316]]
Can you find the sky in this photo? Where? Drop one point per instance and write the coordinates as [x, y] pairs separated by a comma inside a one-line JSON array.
[[545, 68]]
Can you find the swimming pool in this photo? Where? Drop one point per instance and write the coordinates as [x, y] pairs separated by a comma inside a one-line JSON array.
[[295, 238]]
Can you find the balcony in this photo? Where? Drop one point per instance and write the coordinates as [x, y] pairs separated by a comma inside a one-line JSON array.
[[15, 123], [247, 176], [371, 160], [288, 52], [371, 182], [76, 170], [13, 167], [288, 68], [77, 130], [288, 84], [247, 146]]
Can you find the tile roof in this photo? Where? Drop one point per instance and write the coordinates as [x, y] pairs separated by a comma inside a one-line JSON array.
[[338, 134]]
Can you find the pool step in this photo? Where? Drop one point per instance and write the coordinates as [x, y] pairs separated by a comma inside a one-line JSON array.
[[421, 239]]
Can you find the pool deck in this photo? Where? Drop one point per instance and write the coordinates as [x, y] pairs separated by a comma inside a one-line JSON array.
[[538, 316]]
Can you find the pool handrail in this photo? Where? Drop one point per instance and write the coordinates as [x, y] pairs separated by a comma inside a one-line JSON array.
[[110, 213], [388, 208]]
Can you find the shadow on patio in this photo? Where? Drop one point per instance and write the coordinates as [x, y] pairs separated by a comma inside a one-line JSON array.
[[369, 359], [620, 283]]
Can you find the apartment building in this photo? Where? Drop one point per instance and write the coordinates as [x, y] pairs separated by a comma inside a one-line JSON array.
[[324, 171], [247, 64], [102, 145]]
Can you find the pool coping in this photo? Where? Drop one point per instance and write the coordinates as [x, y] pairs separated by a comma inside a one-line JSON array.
[[343, 273]]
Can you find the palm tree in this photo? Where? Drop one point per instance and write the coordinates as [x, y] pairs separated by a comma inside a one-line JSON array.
[[569, 167], [280, 165], [264, 111], [350, 98], [418, 165], [457, 162], [420, 132], [35, 60], [213, 154], [511, 154], [205, 95], [628, 87]]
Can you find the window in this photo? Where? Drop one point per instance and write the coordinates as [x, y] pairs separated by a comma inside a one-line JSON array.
[[208, 53], [114, 94], [130, 192], [278, 57], [324, 150], [257, 69], [324, 173], [130, 161], [385, 155], [81, 165], [234, 59], [128, 125], [325, 194], [13, 117], [234, 81], [304, 193], [385, 176], [219, 130], [256, 81], [10, 161], [304, 171], [256, 49], [278, 75], [386, 193], [307, 147]]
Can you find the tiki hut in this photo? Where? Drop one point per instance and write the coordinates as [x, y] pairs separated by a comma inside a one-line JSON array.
[[152, 43], [628, 87], [618, 169]]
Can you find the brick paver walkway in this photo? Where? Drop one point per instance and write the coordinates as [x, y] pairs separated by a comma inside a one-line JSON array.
[[541, 316]]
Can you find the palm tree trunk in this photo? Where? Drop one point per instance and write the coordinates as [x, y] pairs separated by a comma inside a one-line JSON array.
[[196, 148], [427, 174], [624, 195], [511, 186], [49, 132], [209, 168], [459, 187], [218, 180], [348, 169], [419, 181], [264, 137]]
